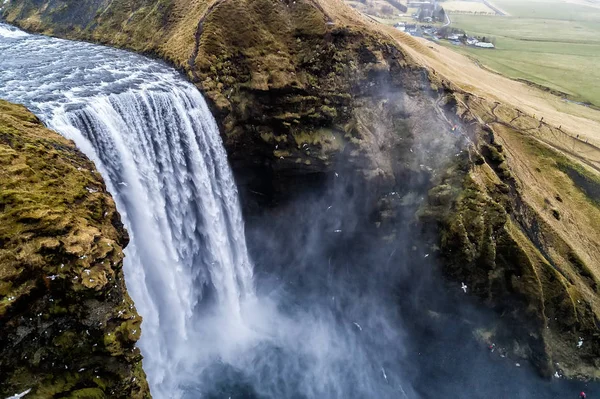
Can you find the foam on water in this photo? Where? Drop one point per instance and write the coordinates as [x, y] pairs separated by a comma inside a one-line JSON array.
[[11, 33], [153, 138]]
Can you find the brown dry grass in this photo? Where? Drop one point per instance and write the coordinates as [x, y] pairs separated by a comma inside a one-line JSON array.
[[570, 128], [467, 75], [543, 184]]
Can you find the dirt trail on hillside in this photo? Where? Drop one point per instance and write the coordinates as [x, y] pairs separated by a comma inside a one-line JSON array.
[[573, 129]]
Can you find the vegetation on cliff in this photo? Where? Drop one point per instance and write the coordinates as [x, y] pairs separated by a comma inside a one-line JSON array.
[[287, 80], [69, 327], [522, 233]]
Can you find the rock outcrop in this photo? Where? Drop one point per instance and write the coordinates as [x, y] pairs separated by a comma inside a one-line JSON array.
[[68, 328], [306, 89]]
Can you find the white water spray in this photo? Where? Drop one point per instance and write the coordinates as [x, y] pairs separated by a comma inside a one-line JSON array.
[[206, 333], [154, 140], [180, 204]]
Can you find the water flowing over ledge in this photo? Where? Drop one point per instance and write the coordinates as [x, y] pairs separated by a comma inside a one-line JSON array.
[[208, 331], [167, 166], [154, 140], [158, 146]]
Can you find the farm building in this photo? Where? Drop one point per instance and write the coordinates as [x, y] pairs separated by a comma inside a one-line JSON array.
[[400, 26], [484, 45]]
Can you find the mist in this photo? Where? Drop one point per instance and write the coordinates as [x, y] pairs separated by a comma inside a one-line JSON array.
[[350, 304]]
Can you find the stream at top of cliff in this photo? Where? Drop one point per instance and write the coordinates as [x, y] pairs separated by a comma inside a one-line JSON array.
[[304, 310]]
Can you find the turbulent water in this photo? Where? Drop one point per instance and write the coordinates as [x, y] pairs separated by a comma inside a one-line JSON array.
[[211, 328], [154, 140]]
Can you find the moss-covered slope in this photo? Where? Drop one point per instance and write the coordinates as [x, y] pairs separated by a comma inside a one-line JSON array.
[[522, 232], [68, 328], [287, 80]]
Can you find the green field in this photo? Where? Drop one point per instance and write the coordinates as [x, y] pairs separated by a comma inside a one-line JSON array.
[[548, 42]]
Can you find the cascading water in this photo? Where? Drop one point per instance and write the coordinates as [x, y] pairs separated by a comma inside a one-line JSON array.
[[153, 138], [187, 268], [165, 160]]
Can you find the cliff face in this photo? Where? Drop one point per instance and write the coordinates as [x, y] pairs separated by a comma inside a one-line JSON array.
[[522, 234], [68, 326], [306, 89]]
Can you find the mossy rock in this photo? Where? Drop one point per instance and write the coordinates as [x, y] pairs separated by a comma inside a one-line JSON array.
[[61, 277], [496, 241], [281, 76]]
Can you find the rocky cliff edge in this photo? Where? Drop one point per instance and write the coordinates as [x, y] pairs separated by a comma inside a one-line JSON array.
[[68, 328], [303, 88]]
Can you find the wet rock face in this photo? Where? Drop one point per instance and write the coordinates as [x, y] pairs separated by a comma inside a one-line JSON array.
[[68, 327], [304, 94], [300, 95]]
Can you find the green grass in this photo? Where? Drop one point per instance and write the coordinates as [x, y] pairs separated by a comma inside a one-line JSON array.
[[548, 42], [548, 9]]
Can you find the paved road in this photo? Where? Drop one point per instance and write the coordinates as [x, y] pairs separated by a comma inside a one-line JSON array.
[[493, 7], [448, 21]]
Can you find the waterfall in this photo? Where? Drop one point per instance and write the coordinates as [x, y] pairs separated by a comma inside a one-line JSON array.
[[155, 142], [166, 167], [10, 32], [187, 266]]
